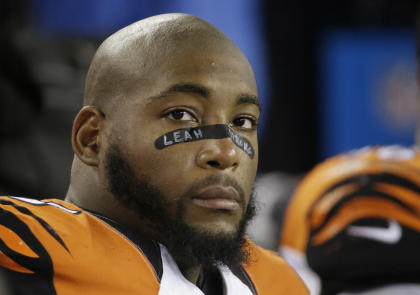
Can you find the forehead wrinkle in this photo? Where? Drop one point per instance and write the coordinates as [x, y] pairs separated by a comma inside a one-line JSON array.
[[182, 88], [248, 98], [190, 88]]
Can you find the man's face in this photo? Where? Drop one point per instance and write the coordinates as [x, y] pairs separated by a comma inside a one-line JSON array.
[[206, 183]]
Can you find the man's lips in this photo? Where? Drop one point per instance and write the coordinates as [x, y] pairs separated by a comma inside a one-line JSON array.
[[217, 197]]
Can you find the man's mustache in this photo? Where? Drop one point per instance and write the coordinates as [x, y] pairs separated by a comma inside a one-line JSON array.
[[222, 180]]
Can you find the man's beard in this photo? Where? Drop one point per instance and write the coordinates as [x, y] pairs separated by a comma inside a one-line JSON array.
[[188, 246]]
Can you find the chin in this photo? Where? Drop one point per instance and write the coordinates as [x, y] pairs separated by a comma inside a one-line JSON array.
[[216, 228]]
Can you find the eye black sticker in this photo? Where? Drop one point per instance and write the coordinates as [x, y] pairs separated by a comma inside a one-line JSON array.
[[217, 131]]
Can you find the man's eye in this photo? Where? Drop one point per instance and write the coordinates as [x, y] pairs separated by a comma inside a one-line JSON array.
[[181, 115], [245, 123]]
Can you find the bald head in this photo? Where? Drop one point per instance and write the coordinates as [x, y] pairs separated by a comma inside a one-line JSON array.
[[137, 54]]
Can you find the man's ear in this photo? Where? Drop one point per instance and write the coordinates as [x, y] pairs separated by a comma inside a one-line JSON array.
[[85, 135]]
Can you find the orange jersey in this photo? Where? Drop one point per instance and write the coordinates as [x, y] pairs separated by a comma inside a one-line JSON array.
[[53, 247], [357, 216]]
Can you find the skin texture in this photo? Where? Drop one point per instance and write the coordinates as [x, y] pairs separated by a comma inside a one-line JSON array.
[[154, 76]]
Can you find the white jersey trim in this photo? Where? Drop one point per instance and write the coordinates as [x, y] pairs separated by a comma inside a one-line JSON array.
[[174, 283]]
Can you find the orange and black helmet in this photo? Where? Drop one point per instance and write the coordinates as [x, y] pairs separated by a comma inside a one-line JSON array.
[[356, 217]]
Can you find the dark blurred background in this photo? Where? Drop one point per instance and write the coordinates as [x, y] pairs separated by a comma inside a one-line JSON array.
[[332, 76]]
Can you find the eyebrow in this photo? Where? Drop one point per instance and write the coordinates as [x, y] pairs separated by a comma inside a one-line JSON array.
[[249, 98], [203, 92], [183, 88]]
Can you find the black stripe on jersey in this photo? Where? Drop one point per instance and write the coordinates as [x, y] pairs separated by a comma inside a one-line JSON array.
[[38, 203], [240, 273], [147, 246], [41, 281], [367, 188], [367, 182], [42, 222]]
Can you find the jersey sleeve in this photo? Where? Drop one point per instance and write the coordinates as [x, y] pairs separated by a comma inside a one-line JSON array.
[[24, 258]]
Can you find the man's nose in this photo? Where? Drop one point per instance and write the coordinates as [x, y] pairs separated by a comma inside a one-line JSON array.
[[220, 154]]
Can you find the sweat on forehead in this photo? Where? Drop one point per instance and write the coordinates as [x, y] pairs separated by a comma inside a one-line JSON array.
[[139, 49]]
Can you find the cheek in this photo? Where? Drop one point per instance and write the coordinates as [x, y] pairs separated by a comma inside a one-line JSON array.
[[173, 162], [249, 174], [168, 169]]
